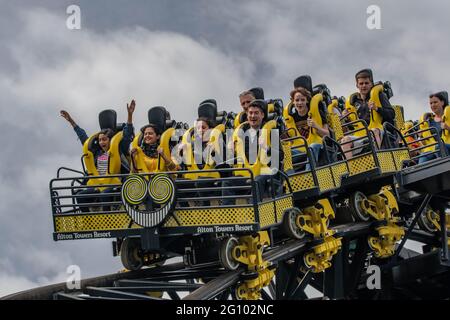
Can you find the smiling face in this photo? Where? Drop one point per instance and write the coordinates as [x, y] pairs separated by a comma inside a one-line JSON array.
[[364, 85], [437, 105], [301, 104], [255, 117], [150, 136], [104, 141]]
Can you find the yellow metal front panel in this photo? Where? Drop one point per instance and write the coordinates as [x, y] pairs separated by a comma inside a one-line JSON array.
[[399, 121], [282, 205], [399, 157], [266, 214], [361, 164], [386, 161], [287, 156], [88, 222], [302, 181], [204, 217], [325, 179], [338, 170], [335, 124]]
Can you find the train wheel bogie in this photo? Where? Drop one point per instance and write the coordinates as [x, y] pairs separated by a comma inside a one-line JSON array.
[[226, 253], [131, 254], [289, 225], [426, 219], [356, 208]]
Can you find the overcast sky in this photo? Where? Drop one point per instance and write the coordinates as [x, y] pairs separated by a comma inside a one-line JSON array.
[[176, 54]]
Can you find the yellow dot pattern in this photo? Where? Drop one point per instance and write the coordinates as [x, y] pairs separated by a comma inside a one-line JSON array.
[[88, 222]]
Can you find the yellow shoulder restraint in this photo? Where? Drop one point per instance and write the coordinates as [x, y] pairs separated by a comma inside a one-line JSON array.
[[333, 119], [114, 161], [353, 116], [141, 159], [214, 142], [291, 127], [376, 121], [446, 120], [261, 165], [314, 114], [237, 120], [424, 125]]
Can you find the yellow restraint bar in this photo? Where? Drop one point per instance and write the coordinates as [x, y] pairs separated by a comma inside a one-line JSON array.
[[353, 116], [446, 120], [376, 121], [143, 163], [114, 161], [261, 166], [213, 144]]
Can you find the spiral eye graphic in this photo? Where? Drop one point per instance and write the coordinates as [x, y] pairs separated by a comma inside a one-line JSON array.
[[134, 190], [161, 188], [138, 194]]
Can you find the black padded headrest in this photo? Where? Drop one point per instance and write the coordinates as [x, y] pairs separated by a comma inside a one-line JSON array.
[[353, 98], [387, 89], [305, 82], [258, 93], [213, 101], [120, 127], [170, 124], [108, 119], [323, 89], [277, 104], [207, 110], [158, 116], [221, 117], [341, 103], [242, 117]]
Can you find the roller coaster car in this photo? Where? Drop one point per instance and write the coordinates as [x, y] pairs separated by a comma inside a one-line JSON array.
[[323, 176], [430, 177], [417, 180], [157, 221], [423, 140], [160, 117]]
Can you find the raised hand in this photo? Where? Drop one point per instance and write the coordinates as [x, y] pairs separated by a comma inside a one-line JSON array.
[[131, 107], [67, 116]]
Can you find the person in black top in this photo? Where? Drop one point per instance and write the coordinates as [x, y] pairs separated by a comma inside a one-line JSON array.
[[257, 114], [300, 98], [364, 83]]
